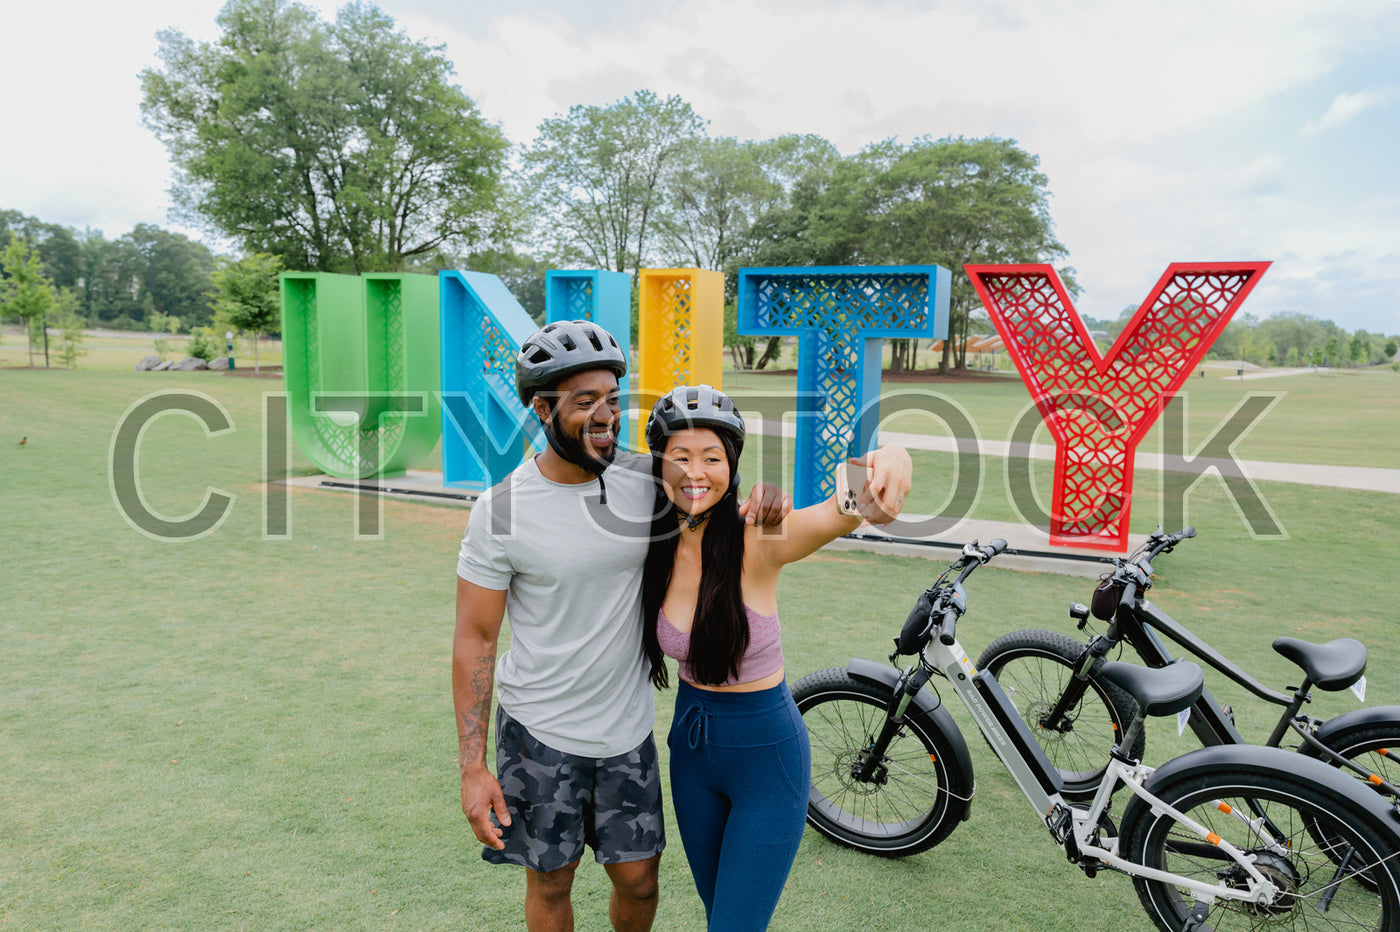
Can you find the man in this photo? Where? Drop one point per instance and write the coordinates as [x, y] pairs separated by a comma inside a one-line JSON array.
[[560, 543]]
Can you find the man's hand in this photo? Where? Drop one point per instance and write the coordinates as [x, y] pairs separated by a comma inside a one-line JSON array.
[[767, 505], [891, 476], [481, 795]]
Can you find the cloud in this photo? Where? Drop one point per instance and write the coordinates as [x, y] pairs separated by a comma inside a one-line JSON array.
[[1347, 107], [1167, 131]]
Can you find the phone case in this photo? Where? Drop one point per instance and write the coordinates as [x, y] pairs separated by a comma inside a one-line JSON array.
[[850, 482]]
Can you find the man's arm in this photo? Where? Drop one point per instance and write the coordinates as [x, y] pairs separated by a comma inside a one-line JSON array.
[[767, 505], [479, 616]]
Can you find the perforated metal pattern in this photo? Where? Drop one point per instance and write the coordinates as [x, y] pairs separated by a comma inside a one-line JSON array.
[[1098, 408], [838, 314], [578, 298], [671, 301]]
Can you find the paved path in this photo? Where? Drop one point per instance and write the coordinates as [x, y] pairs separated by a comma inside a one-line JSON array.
[[1364, 478], [1030, 546]]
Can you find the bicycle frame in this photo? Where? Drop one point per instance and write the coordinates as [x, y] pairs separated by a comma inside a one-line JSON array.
[[1208, 720], [1038, 780]]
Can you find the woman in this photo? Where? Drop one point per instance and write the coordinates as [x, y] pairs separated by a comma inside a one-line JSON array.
[[740, 762]]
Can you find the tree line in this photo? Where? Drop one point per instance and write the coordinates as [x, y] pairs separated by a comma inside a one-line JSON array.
[[345, 146], [54, 278], [119, 283], [1289, 338]]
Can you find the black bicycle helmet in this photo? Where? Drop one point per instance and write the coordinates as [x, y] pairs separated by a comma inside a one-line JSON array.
[[689, 406], [562, 348]]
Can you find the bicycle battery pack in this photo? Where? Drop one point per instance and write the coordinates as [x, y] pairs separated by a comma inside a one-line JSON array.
[[1015, 727]]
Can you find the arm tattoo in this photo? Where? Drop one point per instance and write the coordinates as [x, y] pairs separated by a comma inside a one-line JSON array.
[[471, 739]]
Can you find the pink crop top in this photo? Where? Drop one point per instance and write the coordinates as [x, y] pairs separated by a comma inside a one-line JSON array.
[[764, 656]]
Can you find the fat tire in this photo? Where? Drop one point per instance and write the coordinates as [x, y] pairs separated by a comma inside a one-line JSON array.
[[1363, 745], [1298, 806], [925, 794], [1033, 667]]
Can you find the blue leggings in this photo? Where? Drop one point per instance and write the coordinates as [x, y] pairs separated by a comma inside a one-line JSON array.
[[740, 771]]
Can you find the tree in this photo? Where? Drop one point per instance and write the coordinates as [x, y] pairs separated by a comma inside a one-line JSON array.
[[56, 245], [70, 328], [946, 202], [340, 147], [728, 201], [1359, 349], [721, 186], [598, 176], [247, 295], [1391, 347], [174, 272], [26, 292]]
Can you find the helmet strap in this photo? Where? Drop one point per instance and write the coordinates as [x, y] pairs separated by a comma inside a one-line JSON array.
[[694, 521]]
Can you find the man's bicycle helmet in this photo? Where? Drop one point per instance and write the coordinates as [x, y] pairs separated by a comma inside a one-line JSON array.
[[559, 350]]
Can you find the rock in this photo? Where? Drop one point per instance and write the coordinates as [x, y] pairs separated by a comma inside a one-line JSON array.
[[191, 363], [219, 362], [164, 365], [148, 362]]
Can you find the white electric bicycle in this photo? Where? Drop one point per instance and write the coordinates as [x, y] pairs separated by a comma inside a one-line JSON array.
[[1227, 837]]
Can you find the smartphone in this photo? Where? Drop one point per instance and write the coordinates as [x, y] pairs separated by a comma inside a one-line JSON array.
[[851, 480]]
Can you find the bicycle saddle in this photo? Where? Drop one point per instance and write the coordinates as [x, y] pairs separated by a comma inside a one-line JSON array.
[[1160, 691], [1331, 666]]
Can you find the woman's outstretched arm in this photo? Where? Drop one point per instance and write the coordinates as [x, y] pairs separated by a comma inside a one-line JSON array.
[[807, 529]]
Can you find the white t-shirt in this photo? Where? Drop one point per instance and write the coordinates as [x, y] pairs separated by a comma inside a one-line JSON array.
[[575, 675]]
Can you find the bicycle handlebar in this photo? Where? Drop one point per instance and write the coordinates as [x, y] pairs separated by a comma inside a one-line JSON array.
[[975, 557], [1160, 543], [1129, 597], [936, 611], [948, 626]]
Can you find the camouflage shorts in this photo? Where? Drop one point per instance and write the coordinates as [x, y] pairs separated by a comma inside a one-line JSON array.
[[560, 802]]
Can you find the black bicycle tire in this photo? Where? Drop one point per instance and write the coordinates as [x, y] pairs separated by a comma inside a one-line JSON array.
[[1365, 739], [838, 734], [1081, 782], [1294, 803]]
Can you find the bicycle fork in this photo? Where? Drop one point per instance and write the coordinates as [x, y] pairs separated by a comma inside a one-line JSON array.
[[870, 767], [1057, 719]]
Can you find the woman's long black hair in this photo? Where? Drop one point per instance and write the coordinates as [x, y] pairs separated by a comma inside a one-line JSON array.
[[719, 635]]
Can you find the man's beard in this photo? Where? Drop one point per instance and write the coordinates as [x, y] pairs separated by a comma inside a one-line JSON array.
[[573, 449]]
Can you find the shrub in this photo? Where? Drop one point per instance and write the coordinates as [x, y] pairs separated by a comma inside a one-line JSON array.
[[204, 343]]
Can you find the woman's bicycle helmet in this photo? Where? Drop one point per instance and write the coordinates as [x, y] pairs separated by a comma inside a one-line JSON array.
[[561, 349], [690, 406]]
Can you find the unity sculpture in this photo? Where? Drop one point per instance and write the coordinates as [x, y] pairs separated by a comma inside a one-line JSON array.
[[379, 366]]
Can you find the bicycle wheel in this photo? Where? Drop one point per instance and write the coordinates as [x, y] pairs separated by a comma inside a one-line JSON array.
[[1034, 667], [916, 797], [1375, 747], [1325, 879], [1368, 746]]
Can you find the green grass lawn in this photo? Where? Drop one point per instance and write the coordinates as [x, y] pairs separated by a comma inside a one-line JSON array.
[[120, 351], [239, 733]]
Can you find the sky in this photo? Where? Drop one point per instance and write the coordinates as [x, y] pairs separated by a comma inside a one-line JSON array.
[[1172, 130]]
